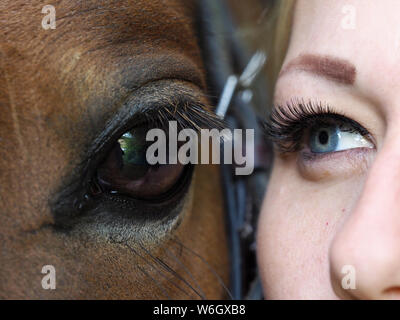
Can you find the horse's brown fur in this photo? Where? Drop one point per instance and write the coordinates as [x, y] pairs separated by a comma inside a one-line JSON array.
[[58, 88]]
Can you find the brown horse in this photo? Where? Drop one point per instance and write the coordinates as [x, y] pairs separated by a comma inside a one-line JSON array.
[[67, 95]]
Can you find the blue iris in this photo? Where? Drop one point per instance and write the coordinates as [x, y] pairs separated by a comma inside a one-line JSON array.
[[324, 139]]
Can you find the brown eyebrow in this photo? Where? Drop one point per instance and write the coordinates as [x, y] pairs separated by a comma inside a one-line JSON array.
[[332, 68]]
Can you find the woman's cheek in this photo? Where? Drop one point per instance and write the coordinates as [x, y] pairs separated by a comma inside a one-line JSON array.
[[298, 222]]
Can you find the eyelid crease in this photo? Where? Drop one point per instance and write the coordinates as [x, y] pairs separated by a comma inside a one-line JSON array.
[[286, 124]]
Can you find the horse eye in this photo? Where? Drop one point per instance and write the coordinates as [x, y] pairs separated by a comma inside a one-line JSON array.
[[126, 170]]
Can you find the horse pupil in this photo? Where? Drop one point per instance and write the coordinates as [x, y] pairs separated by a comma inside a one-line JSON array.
[[323, 137]]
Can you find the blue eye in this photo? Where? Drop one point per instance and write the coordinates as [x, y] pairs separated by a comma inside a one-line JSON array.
[[332, 137], [324, 139]]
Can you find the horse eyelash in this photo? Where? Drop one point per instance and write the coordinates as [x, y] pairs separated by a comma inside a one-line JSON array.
[[286, 125], [187, 116]]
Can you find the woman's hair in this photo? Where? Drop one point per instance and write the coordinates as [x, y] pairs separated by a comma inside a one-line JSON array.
[[278, 31], [264, 25]]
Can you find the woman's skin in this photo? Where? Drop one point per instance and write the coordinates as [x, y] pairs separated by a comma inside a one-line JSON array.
[[343, 209]]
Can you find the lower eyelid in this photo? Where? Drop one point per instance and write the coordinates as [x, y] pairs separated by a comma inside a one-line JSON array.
[[332, 165]]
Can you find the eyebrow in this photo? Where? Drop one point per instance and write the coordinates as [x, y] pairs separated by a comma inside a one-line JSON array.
[[329, 67]]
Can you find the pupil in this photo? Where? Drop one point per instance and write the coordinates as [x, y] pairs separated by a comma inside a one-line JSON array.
[[323, 137]]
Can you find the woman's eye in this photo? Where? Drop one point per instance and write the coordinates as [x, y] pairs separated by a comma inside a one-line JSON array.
[[126, 170], [334, 137]]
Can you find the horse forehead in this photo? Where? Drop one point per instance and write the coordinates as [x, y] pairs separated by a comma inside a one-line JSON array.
[[99, 50], [96, 41]]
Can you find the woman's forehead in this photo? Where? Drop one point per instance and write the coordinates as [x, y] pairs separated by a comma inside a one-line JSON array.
[[364, 37], [347, 29]]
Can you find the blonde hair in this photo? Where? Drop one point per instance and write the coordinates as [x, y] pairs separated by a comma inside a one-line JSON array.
[[278, 31], [270, 32]]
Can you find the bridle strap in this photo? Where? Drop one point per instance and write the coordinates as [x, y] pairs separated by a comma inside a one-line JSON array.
[[229, 78]]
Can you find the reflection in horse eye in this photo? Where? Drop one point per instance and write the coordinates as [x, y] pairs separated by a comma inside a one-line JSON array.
[[126, 170]]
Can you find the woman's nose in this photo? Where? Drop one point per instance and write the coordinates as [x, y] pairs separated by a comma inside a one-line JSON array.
[[365, 253]]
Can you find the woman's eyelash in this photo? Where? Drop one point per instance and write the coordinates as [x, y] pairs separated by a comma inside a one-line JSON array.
[[286, 124]]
